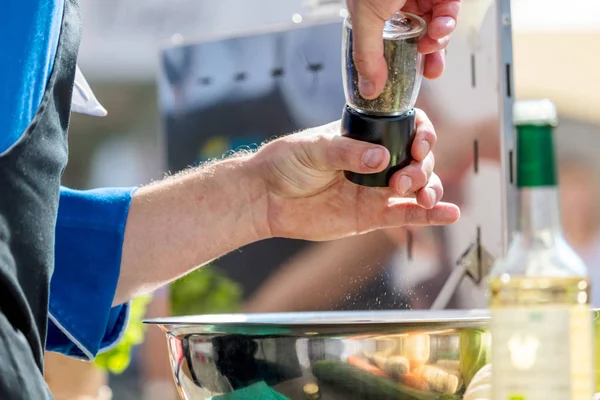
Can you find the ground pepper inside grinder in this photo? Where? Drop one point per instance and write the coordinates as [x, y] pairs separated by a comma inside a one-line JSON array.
[[389, 119]]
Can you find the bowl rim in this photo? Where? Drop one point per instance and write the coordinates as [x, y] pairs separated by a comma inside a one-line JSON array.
[[327, 318]]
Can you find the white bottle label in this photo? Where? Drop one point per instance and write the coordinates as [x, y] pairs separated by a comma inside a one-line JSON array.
[[542, 353]]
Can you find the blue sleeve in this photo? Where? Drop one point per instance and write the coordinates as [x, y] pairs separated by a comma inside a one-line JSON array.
[[89, 232], [29, 31], [89, 240]]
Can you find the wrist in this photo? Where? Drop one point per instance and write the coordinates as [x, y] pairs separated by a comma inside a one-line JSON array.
[[248, 185]]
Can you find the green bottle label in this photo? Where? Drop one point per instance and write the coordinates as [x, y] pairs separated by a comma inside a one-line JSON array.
[[536, 164]]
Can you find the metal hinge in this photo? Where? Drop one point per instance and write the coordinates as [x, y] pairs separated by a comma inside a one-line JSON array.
[[476, 263]]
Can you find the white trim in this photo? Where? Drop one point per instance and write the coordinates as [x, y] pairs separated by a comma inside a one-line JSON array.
[[112, 345], [121, 333], [70, 337], [83, 100]]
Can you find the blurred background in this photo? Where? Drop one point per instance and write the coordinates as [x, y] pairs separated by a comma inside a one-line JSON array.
[[555, 56]]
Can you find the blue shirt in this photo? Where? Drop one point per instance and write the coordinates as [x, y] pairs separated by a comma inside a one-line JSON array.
[[91, 224]]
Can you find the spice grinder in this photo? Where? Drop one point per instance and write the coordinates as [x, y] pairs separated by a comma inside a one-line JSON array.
[[389, 119]]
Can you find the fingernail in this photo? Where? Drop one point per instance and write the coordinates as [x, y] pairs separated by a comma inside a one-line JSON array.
[[405, 184], [433, 196], [366, 87], [424, 148], [373, 158]]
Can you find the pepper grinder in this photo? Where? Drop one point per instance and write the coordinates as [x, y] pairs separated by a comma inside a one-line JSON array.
[[389, 119]]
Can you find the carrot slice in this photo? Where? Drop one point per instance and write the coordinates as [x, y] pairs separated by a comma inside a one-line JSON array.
[[366, 366]]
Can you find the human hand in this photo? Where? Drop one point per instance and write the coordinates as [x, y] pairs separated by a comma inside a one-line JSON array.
[[368, 20], [309, 198]]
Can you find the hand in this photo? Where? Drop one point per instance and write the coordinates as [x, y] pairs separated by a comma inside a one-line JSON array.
[[368, 20], [309, 198]]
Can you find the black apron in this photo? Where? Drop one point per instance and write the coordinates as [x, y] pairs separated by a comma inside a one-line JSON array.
[[30, 176]]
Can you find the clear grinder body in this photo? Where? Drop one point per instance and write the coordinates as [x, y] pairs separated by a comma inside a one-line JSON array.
[[389, 119]]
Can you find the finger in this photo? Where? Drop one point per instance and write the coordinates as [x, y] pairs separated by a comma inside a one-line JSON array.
[[434, 65], [338, 153], [428, 45], [367, 47], [414, 177], [432, 193], [440, 27], [376, 210], [425, 136], [401, 212], [443, 18]]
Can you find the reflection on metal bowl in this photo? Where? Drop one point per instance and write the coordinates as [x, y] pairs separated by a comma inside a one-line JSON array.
[[328, 355]]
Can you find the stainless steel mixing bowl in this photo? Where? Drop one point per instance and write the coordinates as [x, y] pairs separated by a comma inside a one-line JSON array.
[[327, 355]]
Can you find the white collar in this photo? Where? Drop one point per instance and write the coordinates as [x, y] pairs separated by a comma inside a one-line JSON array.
[[84, 101]]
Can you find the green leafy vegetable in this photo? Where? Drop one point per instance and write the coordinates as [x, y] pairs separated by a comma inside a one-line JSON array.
[[474, 352], [205, 291]]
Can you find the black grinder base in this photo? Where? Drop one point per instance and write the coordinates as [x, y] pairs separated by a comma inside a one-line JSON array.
[[396, 133]]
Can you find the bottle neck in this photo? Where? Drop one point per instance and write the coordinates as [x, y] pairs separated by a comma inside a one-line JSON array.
[[540, 213], [537, 182]]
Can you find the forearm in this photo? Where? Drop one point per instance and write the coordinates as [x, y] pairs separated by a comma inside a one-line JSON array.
[[320, 277], [188, 220]]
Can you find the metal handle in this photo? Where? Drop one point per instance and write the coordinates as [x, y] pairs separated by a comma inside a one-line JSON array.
[[475, 263]]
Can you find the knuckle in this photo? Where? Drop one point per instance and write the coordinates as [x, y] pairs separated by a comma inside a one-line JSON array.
[[336, 155], [430, 163], [437, 185], [414, 215], [365, 61], [418, 174], [429, 132], [421, 178], [329, 153], [425, 130]]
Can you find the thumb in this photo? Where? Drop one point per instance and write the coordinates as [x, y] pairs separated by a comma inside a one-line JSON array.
[[338, 153], [368, 20]]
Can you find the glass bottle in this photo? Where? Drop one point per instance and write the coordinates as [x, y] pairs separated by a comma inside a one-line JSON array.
[[541, 319]]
